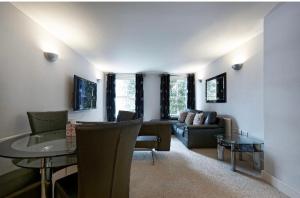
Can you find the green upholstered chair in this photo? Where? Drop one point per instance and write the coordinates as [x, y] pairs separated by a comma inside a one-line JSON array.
[[104, 154], [122, 116], [125, 116], [20, 183], [47, 121]]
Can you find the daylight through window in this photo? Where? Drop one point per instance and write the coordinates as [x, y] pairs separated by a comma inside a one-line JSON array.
[[178, 95], [125, 93]]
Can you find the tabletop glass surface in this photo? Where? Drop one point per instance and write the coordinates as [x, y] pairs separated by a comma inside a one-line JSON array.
[[239, 139], [60, 161], [46, 144]]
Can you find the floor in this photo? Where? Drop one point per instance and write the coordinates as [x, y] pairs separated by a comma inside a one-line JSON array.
[[184, 173]]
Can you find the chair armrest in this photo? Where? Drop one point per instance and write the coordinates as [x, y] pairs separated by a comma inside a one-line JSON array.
[[161, 129]]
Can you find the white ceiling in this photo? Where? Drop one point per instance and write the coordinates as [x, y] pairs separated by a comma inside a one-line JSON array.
[[150, 37]]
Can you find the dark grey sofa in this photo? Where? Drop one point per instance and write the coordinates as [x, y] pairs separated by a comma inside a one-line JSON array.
[[201, 136]]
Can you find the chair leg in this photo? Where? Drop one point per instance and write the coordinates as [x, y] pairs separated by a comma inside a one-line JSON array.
[[152, 152]]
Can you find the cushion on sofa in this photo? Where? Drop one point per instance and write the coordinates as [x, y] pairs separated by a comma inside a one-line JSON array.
[[189, 118], [198, 119], [182, 116], [211, 118]]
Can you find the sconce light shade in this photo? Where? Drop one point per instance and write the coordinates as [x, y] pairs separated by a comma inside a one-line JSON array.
[[51, 57], [237, 66]]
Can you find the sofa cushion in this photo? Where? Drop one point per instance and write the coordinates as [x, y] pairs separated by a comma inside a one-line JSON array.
[[198, 119], [189, 118], [211, 118], [182, 116]]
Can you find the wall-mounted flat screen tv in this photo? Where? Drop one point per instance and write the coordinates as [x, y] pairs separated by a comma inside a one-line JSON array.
[[216, 89], [85, 94]]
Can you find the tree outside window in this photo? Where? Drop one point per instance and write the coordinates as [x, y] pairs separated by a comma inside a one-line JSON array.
[[178, 95], [125, 93]]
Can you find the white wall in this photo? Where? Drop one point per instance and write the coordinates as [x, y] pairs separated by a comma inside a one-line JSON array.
[[282, 97], [151, 96], [28, 82], [244, 87]]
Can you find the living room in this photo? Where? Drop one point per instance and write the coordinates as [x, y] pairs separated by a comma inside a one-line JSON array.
[[174, 49]]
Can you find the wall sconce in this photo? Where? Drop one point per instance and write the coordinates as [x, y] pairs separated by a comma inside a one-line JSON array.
[[200, 80], [237, 66], [51, 57]]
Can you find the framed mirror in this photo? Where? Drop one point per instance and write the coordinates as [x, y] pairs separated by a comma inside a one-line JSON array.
[[216, 89]]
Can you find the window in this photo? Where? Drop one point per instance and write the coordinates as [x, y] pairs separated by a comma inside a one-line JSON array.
[[178, 95], [125, 93]]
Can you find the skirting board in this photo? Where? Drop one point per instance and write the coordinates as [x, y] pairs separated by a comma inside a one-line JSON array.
[[280, 185], [13, 136]]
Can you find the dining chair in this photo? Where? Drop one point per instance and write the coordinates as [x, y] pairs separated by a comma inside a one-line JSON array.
[[122, 116], [125, 116], [20, 183], [104, 153], [47, 121]]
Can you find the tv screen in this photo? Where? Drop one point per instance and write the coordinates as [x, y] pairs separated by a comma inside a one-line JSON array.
[[85, 94]]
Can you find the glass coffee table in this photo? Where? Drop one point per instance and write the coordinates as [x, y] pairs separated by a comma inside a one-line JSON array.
[[239, 144]]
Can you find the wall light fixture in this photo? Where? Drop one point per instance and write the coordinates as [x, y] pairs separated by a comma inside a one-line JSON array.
[[51, 57], [237, 66]]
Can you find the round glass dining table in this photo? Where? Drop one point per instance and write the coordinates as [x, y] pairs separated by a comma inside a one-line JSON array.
[[43, 150]]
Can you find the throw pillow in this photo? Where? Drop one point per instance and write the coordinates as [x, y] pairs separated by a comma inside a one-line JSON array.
[[182, 116], [199, 118], [189, 118], [211, 118]]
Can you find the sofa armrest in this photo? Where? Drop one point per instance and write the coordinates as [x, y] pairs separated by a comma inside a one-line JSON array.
[[206, 137], [211, 126]]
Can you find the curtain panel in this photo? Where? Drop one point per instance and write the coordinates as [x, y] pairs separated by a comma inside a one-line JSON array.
[[191, 91], [139, 95], [110, 97], [165, 96]]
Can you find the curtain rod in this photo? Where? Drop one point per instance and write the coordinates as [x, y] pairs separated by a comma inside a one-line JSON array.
[[145, 73]]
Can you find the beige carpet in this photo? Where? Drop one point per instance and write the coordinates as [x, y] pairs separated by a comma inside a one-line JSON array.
[[183, 173]]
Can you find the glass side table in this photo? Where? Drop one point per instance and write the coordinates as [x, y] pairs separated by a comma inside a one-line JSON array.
[[239, 144]]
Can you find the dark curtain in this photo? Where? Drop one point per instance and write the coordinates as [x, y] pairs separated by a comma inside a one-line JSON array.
[[139, 95], [110, 97], [191, 91], [164, 96]]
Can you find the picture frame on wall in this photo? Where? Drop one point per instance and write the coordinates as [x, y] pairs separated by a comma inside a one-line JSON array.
[[215, 89]]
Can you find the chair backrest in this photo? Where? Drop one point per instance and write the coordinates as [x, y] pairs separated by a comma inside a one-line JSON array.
[[104, 158], [125, 116], [47, 121]]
